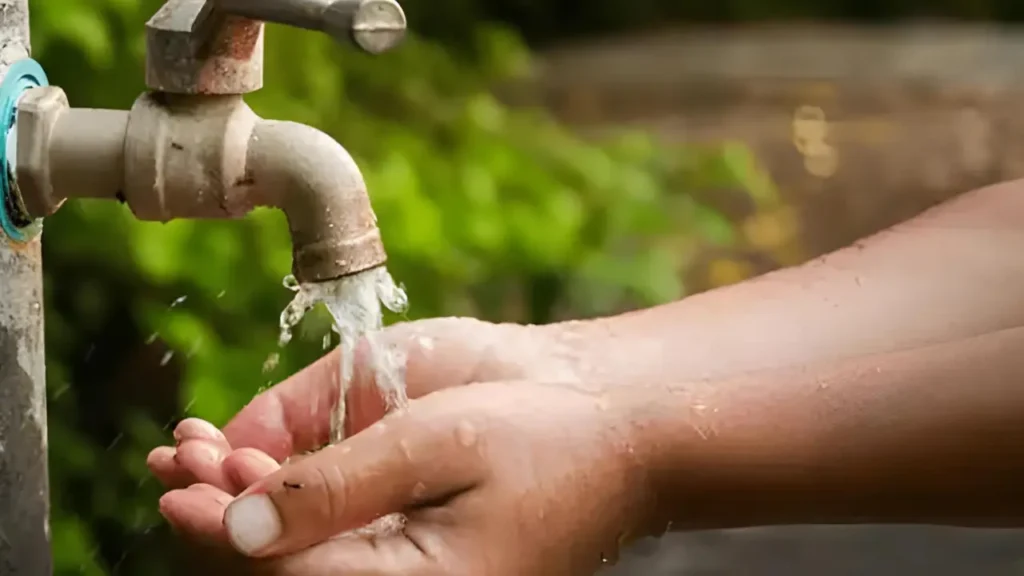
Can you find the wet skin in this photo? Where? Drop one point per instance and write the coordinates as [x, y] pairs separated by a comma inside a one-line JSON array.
[[877, 384]]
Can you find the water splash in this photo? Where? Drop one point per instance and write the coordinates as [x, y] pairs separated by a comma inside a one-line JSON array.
[[356, 304]]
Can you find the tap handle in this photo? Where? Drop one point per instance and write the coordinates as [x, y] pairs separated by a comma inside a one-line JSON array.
[[376, 26]]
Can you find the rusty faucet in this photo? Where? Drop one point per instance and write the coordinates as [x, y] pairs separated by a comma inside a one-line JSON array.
[[191, 148]]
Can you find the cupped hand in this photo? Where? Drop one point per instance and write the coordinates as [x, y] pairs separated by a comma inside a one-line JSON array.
[[496, 478], [294, 416]]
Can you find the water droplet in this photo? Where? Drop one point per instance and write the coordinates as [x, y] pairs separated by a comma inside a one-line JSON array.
[[419, 491], [115, 441], [152, 338], [221, 294], [466, 434], [61, 391], [167, 358], [406, 448], [178, 301], [270, 364]]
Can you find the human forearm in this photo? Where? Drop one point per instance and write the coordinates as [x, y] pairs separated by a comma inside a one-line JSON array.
[[927, 435], [953, 272], [864, 386]]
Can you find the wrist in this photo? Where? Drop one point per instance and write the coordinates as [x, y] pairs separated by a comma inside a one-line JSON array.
[[714, 456], [663, 438]]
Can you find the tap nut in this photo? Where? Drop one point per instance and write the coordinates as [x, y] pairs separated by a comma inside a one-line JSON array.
[[376, 26], [38, 112]]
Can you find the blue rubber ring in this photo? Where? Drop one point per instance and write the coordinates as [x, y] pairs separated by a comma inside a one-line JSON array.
[[21, 76]]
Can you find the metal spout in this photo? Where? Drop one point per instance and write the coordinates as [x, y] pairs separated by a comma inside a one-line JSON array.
[[181, 156], [192, 148], [314, 180]]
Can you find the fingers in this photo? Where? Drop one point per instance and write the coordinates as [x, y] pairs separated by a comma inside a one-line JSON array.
[[195, 459], [197, 512], [162, 464], [403, 462], [246, 466], [203, 456], [295, 415], [196, 429], [203, 460]]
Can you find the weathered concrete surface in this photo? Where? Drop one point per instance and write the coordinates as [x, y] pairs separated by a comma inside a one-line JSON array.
[[24, 486], [910, 117]]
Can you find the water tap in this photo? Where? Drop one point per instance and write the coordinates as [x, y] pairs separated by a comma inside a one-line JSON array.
[[191, 148]]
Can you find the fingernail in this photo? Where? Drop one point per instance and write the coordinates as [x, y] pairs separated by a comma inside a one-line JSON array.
[[252, 523], [194, 428]]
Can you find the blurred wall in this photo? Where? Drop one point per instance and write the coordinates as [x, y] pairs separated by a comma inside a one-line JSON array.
[[860, 128]]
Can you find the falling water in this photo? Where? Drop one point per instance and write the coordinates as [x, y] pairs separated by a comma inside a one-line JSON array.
[[356, 304]]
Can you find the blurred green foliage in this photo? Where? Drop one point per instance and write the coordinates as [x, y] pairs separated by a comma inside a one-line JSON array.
[[485, 211]]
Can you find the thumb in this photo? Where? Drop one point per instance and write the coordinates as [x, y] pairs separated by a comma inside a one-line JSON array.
[[404, 461]]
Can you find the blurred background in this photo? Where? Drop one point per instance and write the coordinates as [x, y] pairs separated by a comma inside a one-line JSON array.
[[528, 161]]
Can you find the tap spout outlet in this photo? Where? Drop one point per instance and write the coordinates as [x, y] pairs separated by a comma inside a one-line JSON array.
[[186, 156]]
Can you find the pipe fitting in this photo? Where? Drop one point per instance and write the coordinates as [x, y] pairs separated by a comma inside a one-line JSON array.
[[183, 156], [21, 77], [62, 149]]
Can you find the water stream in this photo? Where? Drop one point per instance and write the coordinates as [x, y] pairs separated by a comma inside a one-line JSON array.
[[356, 303]]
